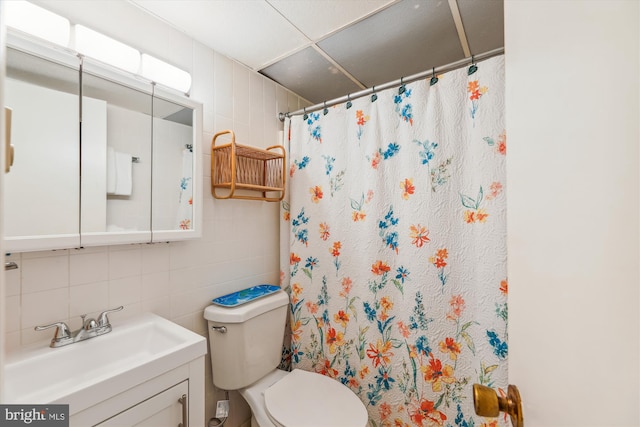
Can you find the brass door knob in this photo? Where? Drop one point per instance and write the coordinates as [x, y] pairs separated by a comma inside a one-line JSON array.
[[487, 403]]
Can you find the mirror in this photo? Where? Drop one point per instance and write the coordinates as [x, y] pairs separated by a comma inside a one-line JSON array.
[[173, 166], [41, 190], [116, 135], [99, 158]]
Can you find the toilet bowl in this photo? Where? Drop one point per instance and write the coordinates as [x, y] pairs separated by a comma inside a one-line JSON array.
[[246, 346]]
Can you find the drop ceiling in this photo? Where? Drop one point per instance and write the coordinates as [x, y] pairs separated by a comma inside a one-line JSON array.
[[324, 49]]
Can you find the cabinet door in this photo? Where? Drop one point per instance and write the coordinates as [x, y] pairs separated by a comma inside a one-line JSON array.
[[116, 161], [161, 410], [41, 192], [176, 172]]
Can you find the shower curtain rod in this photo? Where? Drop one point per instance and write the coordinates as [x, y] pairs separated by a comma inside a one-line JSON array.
[[403, 80]]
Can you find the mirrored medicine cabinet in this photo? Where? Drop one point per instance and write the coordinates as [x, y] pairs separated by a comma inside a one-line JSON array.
[[100, 157]]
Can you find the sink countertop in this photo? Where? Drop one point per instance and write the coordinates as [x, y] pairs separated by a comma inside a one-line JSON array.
[[88, 372]]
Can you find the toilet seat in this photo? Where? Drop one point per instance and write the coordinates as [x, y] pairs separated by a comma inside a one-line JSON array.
[[307, 399]]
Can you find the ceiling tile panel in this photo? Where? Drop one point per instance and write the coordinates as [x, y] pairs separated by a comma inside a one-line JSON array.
[[318, 18], [311, 76], [483, 22], [252, 32], [406, 38]]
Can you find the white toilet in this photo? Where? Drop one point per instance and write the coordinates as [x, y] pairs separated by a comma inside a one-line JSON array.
[[246, 348]]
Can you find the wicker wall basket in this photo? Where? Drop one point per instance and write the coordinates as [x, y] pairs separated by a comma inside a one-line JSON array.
[[253, 170]]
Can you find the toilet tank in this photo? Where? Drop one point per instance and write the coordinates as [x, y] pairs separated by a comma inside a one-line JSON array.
[[251, 345]]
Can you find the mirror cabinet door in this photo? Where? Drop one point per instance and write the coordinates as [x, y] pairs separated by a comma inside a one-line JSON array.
[[116, 135], [41, 192], [173, 169]]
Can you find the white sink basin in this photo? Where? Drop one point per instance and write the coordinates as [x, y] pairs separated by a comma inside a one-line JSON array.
[[86, 372]]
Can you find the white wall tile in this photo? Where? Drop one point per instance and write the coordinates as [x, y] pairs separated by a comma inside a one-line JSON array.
[[40, 274], [155, 257], [293, 102], [29, 336], [270, 107], [206, 169], [12, 341], [180, 305], [125, 261], [160, 306], [241, 94], [202, 87], [42, 308], [12, 279], [282, 100], [182, 280], [125, 291], [181, 255], [121, 317], [88, 267], [90, 298], [256, 109], [155, 285], [223, 78], [12, 316]]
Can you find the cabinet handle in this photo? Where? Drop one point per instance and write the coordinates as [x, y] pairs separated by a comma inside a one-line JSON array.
[[183, 402]]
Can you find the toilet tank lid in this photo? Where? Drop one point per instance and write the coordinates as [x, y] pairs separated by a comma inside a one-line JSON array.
[[241, 313]]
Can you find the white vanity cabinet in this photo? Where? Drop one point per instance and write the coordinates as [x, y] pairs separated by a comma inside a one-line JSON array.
[[156, 403]]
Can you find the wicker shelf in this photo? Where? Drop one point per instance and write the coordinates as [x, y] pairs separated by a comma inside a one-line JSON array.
[[241, 167]]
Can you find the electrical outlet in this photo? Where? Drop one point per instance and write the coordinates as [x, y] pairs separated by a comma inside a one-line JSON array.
[[222, 409]]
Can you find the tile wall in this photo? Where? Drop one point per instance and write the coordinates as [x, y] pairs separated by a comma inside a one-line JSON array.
[[239, 246]]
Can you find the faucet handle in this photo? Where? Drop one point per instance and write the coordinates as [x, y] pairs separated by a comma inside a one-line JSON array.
[[88, 324], [103, 320], [62, 330]]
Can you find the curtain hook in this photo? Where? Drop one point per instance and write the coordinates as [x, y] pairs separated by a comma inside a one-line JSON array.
[[434, 79], [306, 116], [326, 110], [375, 95], [402, 88], [473, 68], [349, 104]]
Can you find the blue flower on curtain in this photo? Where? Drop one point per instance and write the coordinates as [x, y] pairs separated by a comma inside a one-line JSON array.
[[403, 107], [427, 153], [314, 127], [389, 237]]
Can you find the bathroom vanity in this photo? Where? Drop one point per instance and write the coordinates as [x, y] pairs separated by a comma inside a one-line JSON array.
[[147, 371]]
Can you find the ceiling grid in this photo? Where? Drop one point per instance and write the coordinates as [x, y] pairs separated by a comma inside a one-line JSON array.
[[324, 49]]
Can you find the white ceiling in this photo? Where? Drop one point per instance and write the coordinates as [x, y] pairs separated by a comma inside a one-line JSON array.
[[323, 49]]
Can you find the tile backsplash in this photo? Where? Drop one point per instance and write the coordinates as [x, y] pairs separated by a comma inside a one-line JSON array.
[[238, 248]]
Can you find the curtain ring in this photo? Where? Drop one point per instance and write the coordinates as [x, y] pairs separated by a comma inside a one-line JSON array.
[[375, 95], [434, 79], [326, 110], [473, 68], [349, 104], [306, 116], [402, 88]]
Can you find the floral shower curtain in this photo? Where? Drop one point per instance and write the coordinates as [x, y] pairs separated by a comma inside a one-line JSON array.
[[393, 245]]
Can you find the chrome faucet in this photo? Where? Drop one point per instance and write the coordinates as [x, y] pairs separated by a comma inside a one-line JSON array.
[[90, 328]]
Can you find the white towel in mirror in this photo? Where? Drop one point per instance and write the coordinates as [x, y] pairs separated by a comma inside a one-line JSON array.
[[119, 173], [111, 170]]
